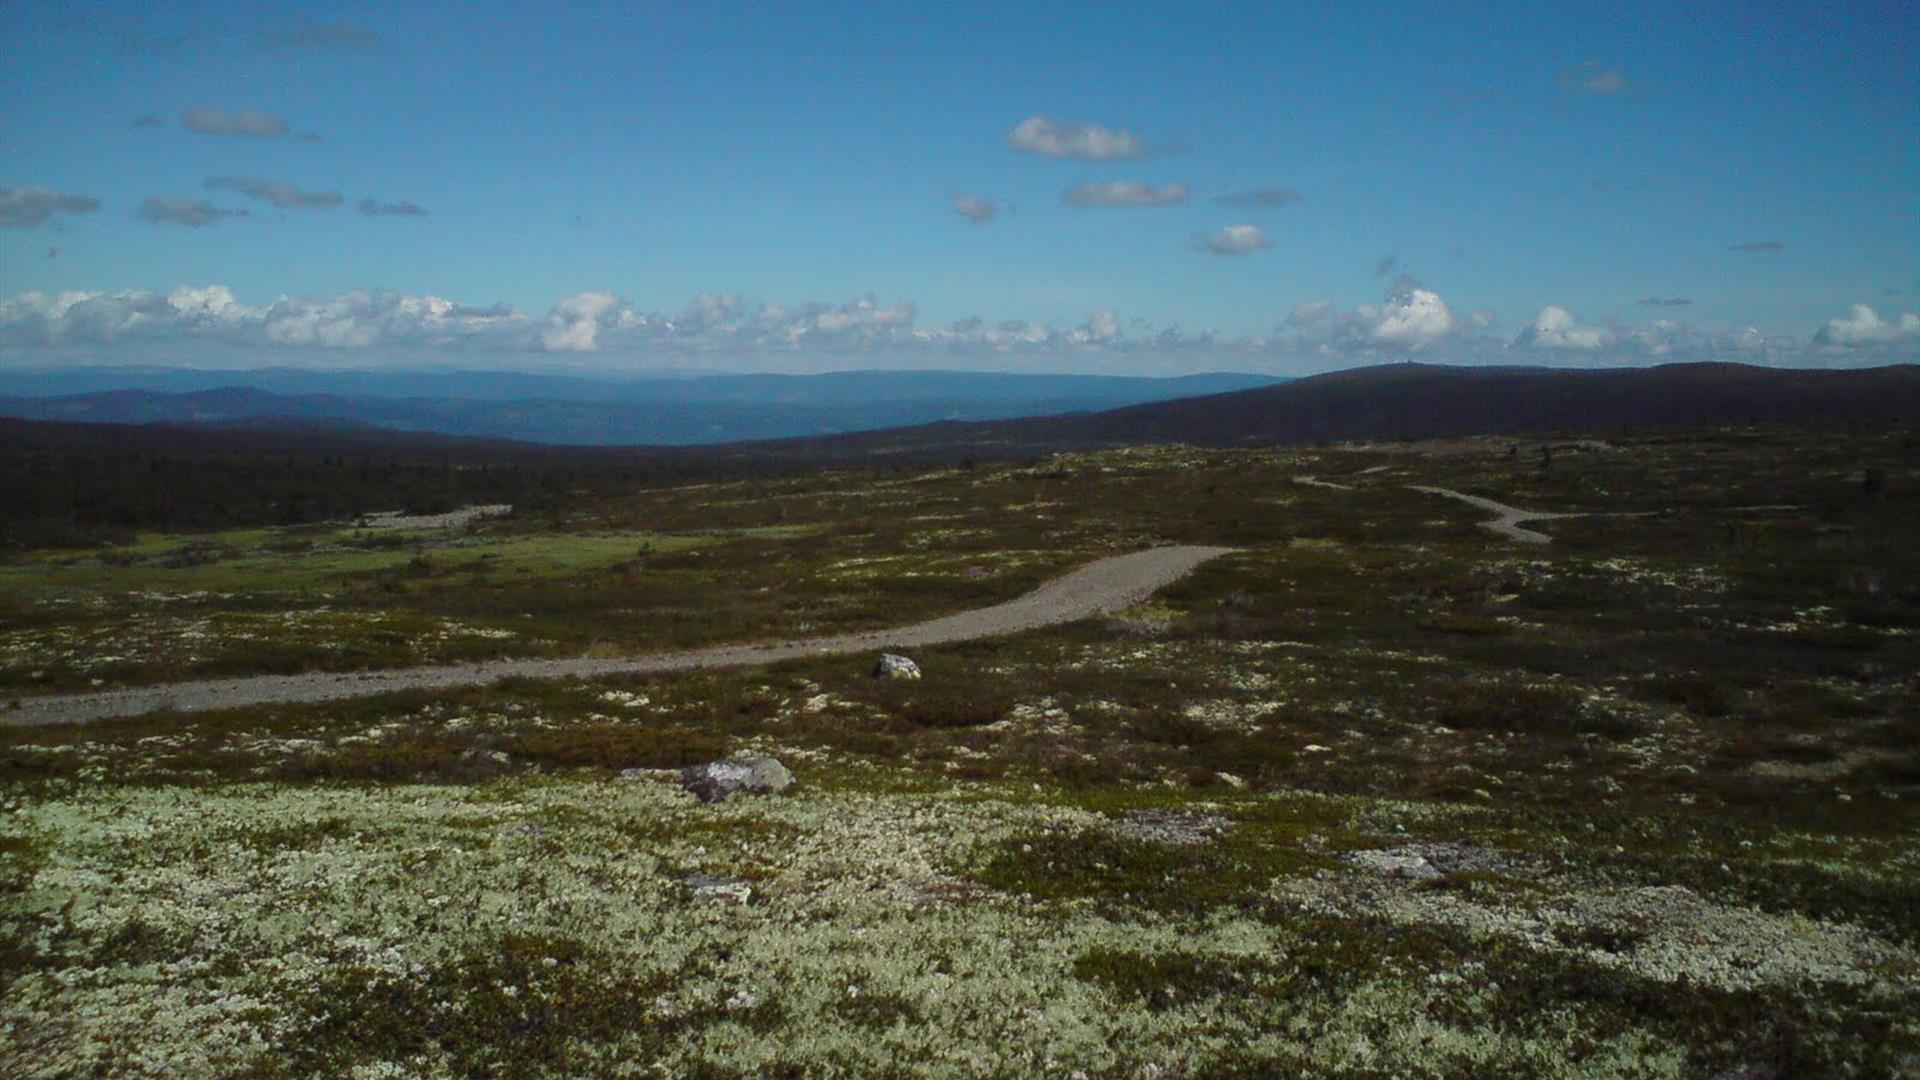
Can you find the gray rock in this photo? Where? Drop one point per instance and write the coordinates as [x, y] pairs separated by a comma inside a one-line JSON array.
[[716, 780], [715, 888], [895, 666], [1424, 860], [1403, 862], [1171, 826]]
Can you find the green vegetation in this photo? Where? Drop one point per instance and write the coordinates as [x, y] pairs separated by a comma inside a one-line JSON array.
[[1378, 795]]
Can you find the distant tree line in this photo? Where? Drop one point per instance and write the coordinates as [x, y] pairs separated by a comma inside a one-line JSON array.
[[67, 484]]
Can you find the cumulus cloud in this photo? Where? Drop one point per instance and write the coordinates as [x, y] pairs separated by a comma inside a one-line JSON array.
[[1757, 247], [1258, 198], [580, 322], [363, 319], [283, 196], [347, 320], [251, 122], [1863, 327], [1100, 328], [593, 322], [1235, 240], [402, 208], [1061, 139], [332, 36], [1413, 318], [22, 208], [1668, 301], [974, 208], [1124, 193], [1556, 328], [1591, 78]]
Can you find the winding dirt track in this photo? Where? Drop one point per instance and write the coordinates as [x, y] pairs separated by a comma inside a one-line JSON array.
[[1511, 518], [1102, 586]]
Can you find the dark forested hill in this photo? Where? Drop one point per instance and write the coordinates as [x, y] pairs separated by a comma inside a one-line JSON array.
[[70, 482]]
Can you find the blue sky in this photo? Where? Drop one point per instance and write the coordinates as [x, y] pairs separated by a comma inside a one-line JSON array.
[[1505, 184]]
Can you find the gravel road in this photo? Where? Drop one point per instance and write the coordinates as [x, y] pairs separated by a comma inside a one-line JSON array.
[[1105, 585], [1511, 518]]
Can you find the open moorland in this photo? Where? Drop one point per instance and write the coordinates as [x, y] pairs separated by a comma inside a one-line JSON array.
[[1627, 786]]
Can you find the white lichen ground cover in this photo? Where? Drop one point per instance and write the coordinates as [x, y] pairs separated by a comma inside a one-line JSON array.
[[1377, 797], [252, 929]]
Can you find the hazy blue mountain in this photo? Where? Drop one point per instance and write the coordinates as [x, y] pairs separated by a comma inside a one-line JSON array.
[[567, 409]]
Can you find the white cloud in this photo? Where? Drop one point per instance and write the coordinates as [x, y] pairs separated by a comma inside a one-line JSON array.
[[253, 122], [1124, 193], [1087, 142], [1235, 240], [283, 196], [1413, 318], [600, 329], [193, 213], [25, 207], [974, 208], [580, 322], [1864, 328], [1100, 328], [1556, 328]]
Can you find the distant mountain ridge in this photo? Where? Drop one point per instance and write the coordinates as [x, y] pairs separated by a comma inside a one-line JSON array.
[[568, 410], [1391, 402], [1417, 401]]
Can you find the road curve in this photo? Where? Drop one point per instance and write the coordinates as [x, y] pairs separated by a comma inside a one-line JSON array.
[[1511, 518], [1104, 585]]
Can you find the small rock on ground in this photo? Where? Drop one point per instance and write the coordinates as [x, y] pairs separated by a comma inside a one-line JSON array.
[[716, 780], [895, 666], [1423, 861], [719, 889], [1171, 826]]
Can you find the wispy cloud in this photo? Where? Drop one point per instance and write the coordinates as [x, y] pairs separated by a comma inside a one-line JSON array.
[[975, 208], [1061, 139], [250, 122], [402, 208], [26, 207], [1385, 266], [1124, 193], [1758, 247], [1235, 240], [1666, 301], [283, 196], [147, 120], [193, 213], [1591, 78], [1259, 198]]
